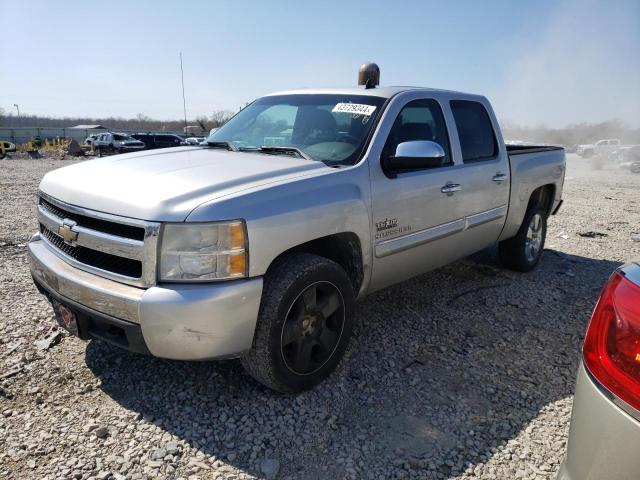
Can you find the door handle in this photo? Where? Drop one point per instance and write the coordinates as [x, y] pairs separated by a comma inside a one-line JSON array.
[[451, 187], [500, 177]]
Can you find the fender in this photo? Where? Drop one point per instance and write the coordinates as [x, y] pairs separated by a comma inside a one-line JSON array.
[[285, 215]]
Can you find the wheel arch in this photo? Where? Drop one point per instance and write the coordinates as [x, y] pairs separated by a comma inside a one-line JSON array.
[[343, 248], [544, 196], [520, 203]]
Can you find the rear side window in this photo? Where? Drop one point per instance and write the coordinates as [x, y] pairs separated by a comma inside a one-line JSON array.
[[477, 138]]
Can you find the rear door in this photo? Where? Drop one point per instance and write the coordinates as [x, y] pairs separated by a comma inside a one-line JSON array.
[[484, 175]]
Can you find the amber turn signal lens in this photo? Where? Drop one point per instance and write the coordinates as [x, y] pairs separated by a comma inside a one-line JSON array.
[[236, 236]]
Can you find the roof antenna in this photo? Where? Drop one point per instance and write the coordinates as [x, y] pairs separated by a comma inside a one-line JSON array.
[[184, 101], [369, 75]]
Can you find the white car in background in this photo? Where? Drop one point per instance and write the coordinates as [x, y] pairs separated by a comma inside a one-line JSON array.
[[601, 148], [194, 140]]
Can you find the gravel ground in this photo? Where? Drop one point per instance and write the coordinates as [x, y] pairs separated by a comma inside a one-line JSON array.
[[466, 372]]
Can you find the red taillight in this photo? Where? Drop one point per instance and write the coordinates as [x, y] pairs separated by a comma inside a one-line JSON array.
[[612, 346]]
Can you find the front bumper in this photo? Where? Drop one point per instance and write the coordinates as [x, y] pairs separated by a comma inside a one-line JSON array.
[[176, 321], [603, 439]]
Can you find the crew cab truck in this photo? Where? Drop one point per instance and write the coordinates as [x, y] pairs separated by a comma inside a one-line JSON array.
[[603, 148], [258, 244]]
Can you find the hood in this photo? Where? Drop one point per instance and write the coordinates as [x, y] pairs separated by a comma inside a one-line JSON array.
[[167, 185]]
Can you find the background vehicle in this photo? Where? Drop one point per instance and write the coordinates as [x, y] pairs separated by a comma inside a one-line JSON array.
[[194, 140], [90, 139], [116, 143], [258, 246], [627, 157], [601, 147], [605, 424], [159, 140]]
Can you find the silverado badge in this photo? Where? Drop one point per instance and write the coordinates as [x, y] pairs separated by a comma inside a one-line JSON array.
[[386, 224], [389, 228]]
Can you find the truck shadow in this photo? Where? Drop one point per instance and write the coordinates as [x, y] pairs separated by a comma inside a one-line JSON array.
[[443, 369]]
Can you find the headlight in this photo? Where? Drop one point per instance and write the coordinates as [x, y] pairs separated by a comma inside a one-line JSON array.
[[192, 252]]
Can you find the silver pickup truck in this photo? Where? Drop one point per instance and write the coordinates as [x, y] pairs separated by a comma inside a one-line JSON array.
[[257, 244]]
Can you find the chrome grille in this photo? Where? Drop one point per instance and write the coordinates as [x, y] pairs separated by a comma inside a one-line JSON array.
[[118, 229], [119, 248], [94, 258]]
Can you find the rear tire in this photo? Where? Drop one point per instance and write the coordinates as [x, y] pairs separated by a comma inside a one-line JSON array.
[[522, 252], [304, 324]]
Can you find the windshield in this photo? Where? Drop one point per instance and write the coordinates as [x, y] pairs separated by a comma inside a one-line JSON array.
[[328, 128]]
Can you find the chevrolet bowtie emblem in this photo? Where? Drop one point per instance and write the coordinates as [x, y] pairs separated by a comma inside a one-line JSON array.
[[66, 232]]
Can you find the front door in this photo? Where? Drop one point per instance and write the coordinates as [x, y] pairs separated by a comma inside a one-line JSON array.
[[417, 215]]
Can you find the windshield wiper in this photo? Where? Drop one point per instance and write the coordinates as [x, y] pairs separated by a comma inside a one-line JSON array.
[[228, 145], [286, 150]]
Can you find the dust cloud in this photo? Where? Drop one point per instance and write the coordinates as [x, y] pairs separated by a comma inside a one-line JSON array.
[[576, 81]]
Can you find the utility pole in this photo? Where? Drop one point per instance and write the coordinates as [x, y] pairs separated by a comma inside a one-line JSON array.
[[18, 109], [184, 101]]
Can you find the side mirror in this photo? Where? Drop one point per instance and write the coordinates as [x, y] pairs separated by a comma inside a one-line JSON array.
[[414, 155]]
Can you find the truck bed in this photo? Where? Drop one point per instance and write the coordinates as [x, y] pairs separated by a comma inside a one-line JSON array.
[[531, 166], [522, 149]]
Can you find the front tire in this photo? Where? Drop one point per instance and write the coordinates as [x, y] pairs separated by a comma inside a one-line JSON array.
[[304, 324], [523, 252]]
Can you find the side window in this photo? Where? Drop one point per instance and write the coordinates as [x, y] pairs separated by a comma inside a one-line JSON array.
[[419, 120], [477, 138]]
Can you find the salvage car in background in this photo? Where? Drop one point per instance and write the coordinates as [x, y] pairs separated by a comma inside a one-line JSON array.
[[604, 438], [90, 139], [627, 158], [116, 143], [159, 140], [194, 140], [601, 148]]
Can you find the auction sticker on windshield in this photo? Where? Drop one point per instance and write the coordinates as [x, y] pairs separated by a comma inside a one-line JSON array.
[[354, 109]]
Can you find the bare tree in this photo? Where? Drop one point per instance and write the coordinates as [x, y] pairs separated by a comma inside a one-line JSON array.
[[204, 123], [220, 117], [143, 120]]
